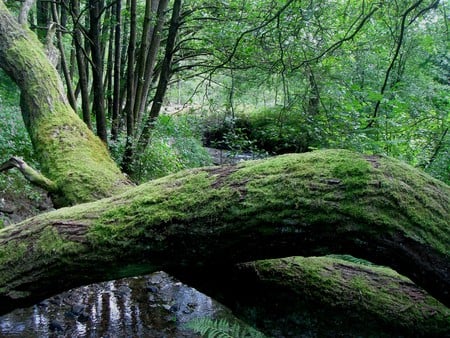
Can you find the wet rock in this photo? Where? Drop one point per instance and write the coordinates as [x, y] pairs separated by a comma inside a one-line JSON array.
[[174, 308], [55, 326], [83, 317], [77, 309], [152, 289], [57, 300], [123, 290]]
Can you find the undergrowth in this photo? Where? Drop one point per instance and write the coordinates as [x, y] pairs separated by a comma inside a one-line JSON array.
[[222, 328], [175, 145]]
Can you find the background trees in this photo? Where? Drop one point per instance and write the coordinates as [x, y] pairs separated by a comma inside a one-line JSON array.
[[370, 76]]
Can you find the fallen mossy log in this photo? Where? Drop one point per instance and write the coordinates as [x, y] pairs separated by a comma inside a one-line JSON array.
[[295, 295], [331, 201]]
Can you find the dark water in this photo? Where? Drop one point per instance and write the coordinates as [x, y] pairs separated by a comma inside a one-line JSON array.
[[156, 305]]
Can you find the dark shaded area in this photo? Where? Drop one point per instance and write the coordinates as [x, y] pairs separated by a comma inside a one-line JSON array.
[[156, 305]]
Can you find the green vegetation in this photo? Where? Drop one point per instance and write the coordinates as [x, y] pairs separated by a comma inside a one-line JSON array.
[[210, 328], [14, 140], [176, 145], [362, 90]]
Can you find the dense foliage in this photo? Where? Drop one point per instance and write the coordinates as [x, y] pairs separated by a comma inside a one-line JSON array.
[[261, 76]]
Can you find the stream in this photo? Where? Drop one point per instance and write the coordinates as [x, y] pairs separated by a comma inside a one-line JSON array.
[[155, 305]]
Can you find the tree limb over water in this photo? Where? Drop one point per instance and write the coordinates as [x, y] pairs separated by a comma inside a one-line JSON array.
[[331, 201]]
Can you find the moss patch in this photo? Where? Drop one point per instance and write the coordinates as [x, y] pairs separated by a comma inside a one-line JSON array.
[[358, 291], [155, 209], [50, 242]]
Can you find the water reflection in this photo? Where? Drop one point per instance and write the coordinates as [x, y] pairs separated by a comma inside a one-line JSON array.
[[156, 305]]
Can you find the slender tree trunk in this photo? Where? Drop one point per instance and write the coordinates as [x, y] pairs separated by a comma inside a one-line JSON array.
[[151, 7], [63, 60], [151, 39], [152, 57], [81, 65], [129, 115], [116, 113], [98, 101], [108, 83], [316, 203], [164, 77]]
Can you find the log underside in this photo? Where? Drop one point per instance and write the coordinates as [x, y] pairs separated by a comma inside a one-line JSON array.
[[323, 202]]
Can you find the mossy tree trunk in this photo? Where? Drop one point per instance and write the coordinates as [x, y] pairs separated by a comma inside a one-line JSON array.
[[317, 203], [73, 158], [337, 294]]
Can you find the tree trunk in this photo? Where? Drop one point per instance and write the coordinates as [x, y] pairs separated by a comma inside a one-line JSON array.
[[70, 155], [163, 79], [337, 295], [331, 201], [116, 113], [128, 110], [150, 60], [63, 60], [81, 64], [98, 102]]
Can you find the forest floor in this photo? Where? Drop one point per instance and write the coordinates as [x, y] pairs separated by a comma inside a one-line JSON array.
[[19, 200]]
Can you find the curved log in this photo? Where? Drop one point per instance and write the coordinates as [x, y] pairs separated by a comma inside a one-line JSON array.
[[331, 201]]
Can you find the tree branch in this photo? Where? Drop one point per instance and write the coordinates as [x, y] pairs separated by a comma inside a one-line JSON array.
[[317, 203], [29, 173]]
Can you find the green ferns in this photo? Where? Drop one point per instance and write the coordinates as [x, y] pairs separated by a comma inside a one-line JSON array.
[[210, 328]]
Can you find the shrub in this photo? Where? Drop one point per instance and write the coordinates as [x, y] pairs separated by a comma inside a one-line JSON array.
[[175, 145]]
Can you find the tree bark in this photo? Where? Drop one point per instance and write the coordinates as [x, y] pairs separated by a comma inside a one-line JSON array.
[[81, 64], [63, 60], [127, 157], [98, 105], [150, 60], [163, 82], [116, 113], [69, 154], [337, 293], [331, 201]]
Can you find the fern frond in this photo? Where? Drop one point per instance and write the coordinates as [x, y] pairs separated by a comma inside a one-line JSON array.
[[222, 329]]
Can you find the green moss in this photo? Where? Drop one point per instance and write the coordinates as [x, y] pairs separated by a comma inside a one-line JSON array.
[[337, 190], [358, 291], [50, 242], [424, 201], [350, 191], [154, 209], [70, 155], [316, 180], [11, 252]]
